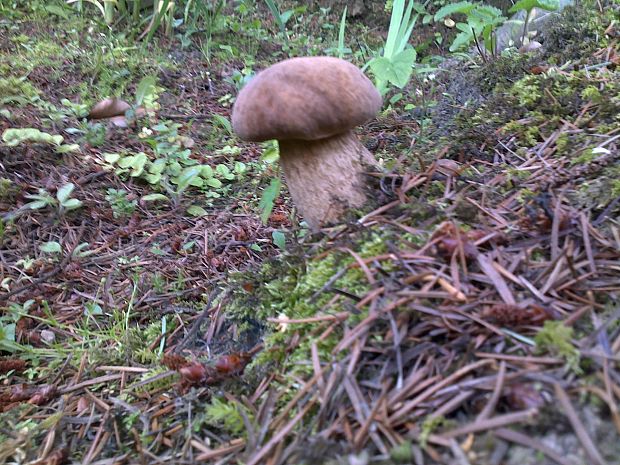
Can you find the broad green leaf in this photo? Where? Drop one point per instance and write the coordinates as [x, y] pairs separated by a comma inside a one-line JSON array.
[[396, 71], [459, 7], [152, 178], [15, 136], [111, 158], [487, 12], [271, 153], [66, 148], [154, 198], [158, 166], [224, 172], [38, 204], [7, 332], [186, 177], [196, 210], [206, 171], [72, 204], [213, 182], [240, 167], [279, 239], [270, 194], [197, 181], [138, 163], [64, 192], [529, 5], [51, 247], [462, 39], [284, 17]]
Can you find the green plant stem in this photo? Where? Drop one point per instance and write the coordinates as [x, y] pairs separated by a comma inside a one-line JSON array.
[[482, 54], [527, 19]]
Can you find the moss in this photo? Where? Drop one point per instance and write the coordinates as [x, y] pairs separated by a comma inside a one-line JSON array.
[[15, 89], [429, 426], [579, 31], [224, 414], [555, 337], [586, 157]]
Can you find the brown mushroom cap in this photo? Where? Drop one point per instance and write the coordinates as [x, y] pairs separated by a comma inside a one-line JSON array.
[[305, 98]]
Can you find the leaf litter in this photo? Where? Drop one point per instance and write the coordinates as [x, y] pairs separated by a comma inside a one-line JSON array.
[[460, 339]]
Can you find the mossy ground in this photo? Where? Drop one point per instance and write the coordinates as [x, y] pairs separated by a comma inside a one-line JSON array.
[[153, 271]]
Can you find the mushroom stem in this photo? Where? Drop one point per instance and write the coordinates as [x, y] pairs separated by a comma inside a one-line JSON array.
[[326, 176]]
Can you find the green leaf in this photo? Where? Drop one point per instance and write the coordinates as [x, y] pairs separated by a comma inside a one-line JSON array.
[[152, 178], [66, 148], [462, 39], [213, 182], [16, 136], [459, 7], [64, 192], [77, 252], [7, 332], [398, 7], [222, 121], [189, 245], [138, 162], [111, 158], [271, 153], [57, 10], [186, 177], [94, 2], [240, 167], [224, 172], [396, 71], [51, 247], [270, 194], [284, 17], [529, 5], [343, 22], [154, 198], [279, 239], [196, 210], [206, 171], [145, 87], [158, 166], [72, 204], [36, 205]]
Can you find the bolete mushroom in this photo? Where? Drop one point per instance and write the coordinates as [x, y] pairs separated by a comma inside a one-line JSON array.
[[310, 105]]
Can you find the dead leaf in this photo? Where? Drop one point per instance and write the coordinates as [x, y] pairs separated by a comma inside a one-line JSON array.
[[515, 316]]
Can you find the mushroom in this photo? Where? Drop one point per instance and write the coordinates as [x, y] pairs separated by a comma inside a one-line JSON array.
[[311, 105]]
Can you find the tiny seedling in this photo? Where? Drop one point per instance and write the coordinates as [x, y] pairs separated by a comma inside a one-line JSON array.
[[63, 201], [120, 204]]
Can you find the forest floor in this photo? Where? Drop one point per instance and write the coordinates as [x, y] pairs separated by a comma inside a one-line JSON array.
[[469, 315]]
